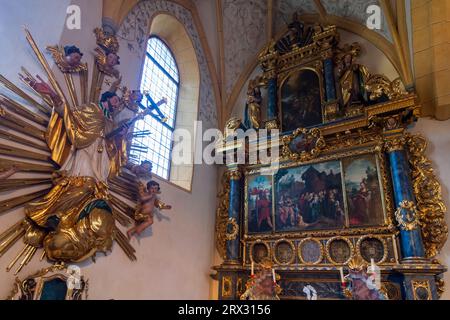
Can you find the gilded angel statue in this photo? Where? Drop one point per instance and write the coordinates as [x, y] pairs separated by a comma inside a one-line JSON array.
[[88, 139]]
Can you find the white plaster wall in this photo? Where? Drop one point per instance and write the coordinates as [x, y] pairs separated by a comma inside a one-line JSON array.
[[438, 135]]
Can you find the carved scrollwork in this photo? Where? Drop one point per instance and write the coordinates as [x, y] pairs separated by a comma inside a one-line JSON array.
[[232, 229], [378, 85], [427, 190], [222, 216], [406, 215], [395, 144], [303, 144]]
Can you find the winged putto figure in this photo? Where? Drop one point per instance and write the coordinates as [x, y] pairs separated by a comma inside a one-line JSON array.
[[88, 149]]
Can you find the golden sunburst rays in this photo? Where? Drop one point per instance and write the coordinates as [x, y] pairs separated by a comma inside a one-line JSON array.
[[124, 244], [27, 253], [13, 88], [11, 136], [24, 117], [10, 204], [125, 187], [81, 70], [121, 206], [123, 212], [11, 236], [14, 184]]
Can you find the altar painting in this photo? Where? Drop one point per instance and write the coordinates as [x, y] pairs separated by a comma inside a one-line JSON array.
[[260, 204], [365, 204], [309, 197]]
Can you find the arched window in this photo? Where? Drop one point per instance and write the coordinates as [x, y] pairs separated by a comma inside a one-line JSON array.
[[160, 78]]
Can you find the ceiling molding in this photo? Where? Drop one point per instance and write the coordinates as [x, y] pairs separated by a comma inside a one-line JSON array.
[[220, 37], [405, 71]]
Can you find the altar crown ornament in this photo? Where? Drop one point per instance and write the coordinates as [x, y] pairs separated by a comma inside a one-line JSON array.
[[107, 42], [354, 50], [266, 264], [357, 264]]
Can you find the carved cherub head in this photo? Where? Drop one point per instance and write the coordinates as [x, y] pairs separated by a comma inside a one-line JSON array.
[[73, 55], [112, 59], [146, 166], [112, 100], [153, 187]]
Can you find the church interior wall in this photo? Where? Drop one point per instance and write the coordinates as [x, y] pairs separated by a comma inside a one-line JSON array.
[[175, 255]]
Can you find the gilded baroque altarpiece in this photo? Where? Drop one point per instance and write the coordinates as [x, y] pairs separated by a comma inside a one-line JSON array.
[[350, 183]]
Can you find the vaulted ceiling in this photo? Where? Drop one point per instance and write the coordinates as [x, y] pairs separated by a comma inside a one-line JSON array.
[[238, 29]]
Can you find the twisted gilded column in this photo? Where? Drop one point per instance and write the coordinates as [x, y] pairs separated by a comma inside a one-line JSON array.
[[232, 234], [406, 214]]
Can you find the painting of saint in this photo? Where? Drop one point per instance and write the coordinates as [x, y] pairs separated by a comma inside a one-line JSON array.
[[259, 204], [301, 101], [309, 197], [363, 191]]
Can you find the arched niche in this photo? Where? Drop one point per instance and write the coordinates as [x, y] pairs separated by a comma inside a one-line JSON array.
[[172, 32]]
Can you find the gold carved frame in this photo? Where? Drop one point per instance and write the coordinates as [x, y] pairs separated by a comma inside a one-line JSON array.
[[315, 66]]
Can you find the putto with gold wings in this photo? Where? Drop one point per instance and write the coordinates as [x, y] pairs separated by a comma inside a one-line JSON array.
[[90, 184]]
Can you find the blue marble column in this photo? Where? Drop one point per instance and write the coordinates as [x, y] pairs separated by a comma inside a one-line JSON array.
[[411, 243], [234, 216], [272, 109], [329, 79]]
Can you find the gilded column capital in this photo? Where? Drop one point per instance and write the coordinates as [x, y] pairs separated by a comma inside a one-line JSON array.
[[397, 143], [235, 174], [272, 124]]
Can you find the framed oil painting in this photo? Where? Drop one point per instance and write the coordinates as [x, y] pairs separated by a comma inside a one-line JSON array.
[[362, 184], [301, 102], [259, 204], [309, 197]]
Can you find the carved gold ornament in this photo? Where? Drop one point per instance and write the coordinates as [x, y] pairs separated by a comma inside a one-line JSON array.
[[378, 85], [350, 246], [272, 124], [395, 144], [357, 263], [406, 215], [320, 253], [231, 126], [313, 143], [427, 190], [235, 174], [106, 41], [276, 252], [232, 234], [380, 239], [227, 287], [222, 216], [31, 287], [424, 285], [58, 55], [268, 249]]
